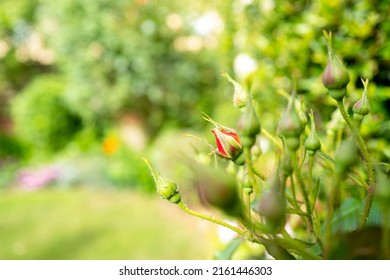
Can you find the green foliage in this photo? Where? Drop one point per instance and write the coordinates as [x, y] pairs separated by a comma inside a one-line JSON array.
[[122, 55], [17, 21], [125, 168], [282, 36], [41, 116]]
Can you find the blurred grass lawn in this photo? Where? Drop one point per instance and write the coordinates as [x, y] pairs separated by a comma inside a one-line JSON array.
[[91, 224]]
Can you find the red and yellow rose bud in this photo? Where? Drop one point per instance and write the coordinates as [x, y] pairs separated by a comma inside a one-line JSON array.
[[335, 77], [228, 143]]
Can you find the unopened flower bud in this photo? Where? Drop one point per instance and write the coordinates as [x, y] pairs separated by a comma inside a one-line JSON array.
[[290, 126], [244, 181], [166, 189], [312, 143], [273, 203], [287, 167], [227, 140], [249, 125], [240, 93], [218, 189], [301, 113], [346, 156], [362, 106], [336, 76]]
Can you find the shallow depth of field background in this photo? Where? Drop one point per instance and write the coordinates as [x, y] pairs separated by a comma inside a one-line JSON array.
[[89, 87]]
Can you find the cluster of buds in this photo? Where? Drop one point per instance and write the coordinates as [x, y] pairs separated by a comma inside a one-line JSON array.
[[230, 144], [336, 76]]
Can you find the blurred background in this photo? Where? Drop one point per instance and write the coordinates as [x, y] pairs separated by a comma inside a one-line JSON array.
[[89, 87]]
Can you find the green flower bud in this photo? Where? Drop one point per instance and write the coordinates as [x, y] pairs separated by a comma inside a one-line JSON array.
[[218, 189], [346, 156], [166, 189], [287, 167], [362, 106], [292, 143], [312, 143], [336, 76], [244, 181], [240, 93], [273, 207], [272, 204], [249, 125], [290, 126], [302, 114]]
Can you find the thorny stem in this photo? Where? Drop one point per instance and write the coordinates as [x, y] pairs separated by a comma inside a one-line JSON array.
[[328, 227], [292, 244], [294, 194], [311, 194], [367, 161], [303, 191], [294, 200], [241, 232], [251, 174]]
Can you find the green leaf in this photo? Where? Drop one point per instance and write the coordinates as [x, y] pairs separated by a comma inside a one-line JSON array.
[[346, 218], [229, 250]]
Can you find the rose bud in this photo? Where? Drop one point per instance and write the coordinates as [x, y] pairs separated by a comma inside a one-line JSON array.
[[228, 143], [240, 93], [272, 204], [290, 126], [312, 143], [362, 106], [227, 140], [249, 125], [219, 190], [166, 189], [336, 76]]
